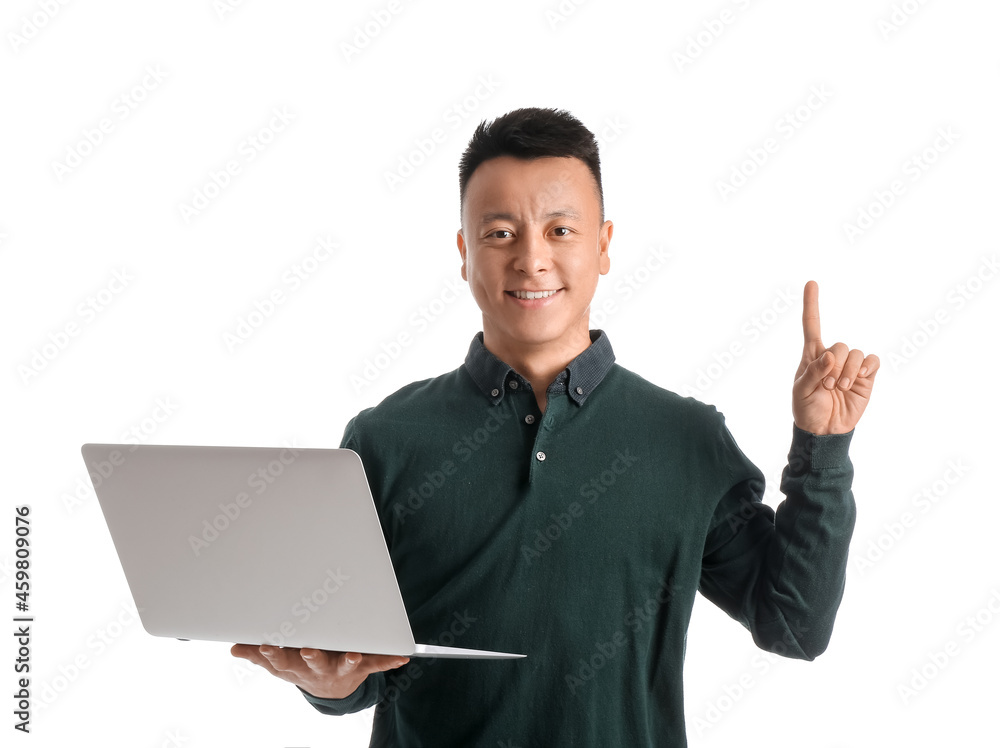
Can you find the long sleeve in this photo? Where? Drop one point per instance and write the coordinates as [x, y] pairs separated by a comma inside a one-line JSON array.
[[781, 573]]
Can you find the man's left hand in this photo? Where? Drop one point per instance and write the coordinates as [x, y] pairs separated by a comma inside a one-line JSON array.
[[832, 385]]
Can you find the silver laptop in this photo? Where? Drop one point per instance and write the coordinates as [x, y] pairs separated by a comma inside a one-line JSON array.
[[256, 545]]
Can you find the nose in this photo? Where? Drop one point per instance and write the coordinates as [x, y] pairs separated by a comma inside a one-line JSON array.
[[533, 255]]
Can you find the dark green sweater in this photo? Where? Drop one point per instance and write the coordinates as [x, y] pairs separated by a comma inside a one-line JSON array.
[[579, 537]]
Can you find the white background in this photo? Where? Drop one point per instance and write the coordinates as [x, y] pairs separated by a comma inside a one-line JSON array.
[[153, 358]]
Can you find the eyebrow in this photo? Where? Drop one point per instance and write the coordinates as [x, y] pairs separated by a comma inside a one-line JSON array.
[[490, 217]]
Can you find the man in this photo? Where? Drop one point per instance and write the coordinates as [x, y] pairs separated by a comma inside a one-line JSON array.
[[575, 508]]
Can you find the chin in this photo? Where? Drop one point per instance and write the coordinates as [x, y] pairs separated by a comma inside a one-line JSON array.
[[537, 335]]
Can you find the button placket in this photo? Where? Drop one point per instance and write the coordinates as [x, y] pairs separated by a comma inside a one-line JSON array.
[[541, 453]]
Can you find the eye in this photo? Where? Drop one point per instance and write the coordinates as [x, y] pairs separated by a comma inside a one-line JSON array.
[[499, 231], [562, 228]]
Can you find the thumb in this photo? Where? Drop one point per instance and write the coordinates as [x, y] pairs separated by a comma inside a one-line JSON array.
[[814, 374]]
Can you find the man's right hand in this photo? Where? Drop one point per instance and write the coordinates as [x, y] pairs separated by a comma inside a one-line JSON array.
[[327, 675]]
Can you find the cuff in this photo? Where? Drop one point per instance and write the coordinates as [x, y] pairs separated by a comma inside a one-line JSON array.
[[346, 705], [817, 451]]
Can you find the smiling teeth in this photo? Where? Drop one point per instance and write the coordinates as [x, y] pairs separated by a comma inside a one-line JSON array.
[[533, 294]]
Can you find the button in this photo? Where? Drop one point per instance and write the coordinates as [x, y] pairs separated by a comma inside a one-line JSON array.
[[495, 392], [513, 384], [540, 456], [529, 419], [579, 390]]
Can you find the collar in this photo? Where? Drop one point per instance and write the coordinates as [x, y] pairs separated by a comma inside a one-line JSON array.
[[580, 377]]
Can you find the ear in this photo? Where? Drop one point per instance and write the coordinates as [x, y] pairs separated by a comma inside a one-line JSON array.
[[461, 251], [603, 241]]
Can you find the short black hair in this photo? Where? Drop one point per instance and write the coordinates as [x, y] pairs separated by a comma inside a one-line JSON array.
[[530, 133]]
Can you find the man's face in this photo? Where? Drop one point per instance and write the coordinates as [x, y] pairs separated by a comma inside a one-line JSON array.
[[533, 228]]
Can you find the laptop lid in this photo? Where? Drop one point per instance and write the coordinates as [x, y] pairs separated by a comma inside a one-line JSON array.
[[256, 545]]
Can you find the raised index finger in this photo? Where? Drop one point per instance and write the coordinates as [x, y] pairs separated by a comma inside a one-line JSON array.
[[810, 319]]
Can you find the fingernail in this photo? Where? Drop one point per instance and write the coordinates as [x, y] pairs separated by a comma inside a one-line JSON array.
[[863, 371], [844, 381], [828, 383]]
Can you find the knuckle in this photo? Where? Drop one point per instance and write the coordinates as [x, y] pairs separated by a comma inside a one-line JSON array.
[[345, 665], [277, 657], [318, 663]]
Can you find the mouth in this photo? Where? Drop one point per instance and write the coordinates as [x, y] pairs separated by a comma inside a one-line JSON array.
[[534, 299], [531, 295]]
